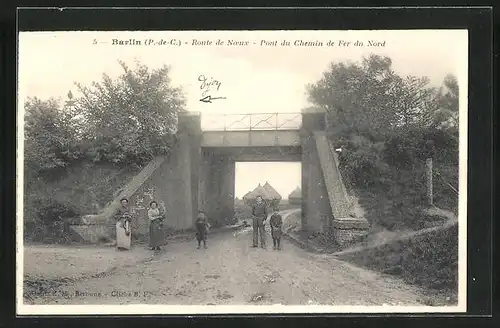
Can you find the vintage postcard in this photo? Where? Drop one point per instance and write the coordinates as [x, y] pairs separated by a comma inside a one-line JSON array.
[[214, 172]]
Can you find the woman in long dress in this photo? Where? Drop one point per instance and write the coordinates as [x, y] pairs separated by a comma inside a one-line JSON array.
[[155, 226], [123, 235]]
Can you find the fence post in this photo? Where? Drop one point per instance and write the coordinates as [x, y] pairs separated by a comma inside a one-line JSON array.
[[428, 167], [428, 170]]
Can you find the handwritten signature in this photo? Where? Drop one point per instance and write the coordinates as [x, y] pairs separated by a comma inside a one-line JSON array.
[[208, 84]]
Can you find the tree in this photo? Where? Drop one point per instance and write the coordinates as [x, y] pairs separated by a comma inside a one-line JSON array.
[[448, 101], [355, 96], [370, 99], [49, 136], [132, 118], [372, 110], [412, 100], [383, 121]]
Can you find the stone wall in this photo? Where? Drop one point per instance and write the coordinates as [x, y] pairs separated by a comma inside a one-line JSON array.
[[350, 230], [167, 187], [94, 233], [174, 182], [216, 187], [337, 195], [316, 209], [346, 226], [347, 237]]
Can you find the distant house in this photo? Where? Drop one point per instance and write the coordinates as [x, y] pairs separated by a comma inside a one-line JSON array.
[[249, 197], [268, 194], [295, 197], [246, 195], [275, 197], [271, 191], [260, 191]]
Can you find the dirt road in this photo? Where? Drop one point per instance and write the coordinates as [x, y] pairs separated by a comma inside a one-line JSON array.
[[231, 272]]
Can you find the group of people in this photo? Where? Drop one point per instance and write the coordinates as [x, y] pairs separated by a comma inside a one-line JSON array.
[[260, 214], [156, 216], [123, 226]]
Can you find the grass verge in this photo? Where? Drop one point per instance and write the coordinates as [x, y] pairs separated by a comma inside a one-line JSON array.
[[428, 259]]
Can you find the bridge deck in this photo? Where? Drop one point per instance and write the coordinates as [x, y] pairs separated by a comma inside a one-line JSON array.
[[258, 154], [253, 121], [269, 138]]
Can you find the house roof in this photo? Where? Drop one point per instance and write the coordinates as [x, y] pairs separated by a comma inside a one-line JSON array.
[[261, 191], [297, 193], [271, 191], [247, 195]]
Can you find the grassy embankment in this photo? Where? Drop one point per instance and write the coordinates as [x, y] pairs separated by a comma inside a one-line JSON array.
[[83, 188], [418, 246]]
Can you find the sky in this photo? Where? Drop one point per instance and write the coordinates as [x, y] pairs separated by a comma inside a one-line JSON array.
[[258, 78]]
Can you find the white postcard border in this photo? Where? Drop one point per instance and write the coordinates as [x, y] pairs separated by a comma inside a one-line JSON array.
[[142, 309]]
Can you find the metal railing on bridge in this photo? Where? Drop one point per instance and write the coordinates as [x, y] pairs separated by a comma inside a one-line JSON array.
[[250, 122]]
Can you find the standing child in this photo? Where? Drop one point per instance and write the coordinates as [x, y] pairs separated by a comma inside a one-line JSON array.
[[202, 225], [276, 223]]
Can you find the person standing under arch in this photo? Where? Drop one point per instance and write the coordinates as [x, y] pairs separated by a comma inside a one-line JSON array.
[[276, 223], [259, 213]]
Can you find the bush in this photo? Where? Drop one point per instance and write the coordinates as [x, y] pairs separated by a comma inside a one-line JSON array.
[[50, 210], [361, 162], [45, 214], [402, 150], [47, 219], [389, 177], [83, 188], [429, 260]]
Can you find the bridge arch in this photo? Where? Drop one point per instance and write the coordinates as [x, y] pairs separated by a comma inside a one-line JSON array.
[[199, 173], [298, 137]]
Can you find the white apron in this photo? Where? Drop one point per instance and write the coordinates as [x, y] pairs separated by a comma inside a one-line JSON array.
[[122, 239]]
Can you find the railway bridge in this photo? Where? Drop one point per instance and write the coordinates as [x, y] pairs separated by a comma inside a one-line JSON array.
[[199, 173]]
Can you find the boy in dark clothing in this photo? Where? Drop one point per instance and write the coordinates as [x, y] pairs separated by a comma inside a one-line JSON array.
[[202, 225], [276, 223]]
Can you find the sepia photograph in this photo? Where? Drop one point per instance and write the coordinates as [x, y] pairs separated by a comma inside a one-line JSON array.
[[202, 172]]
